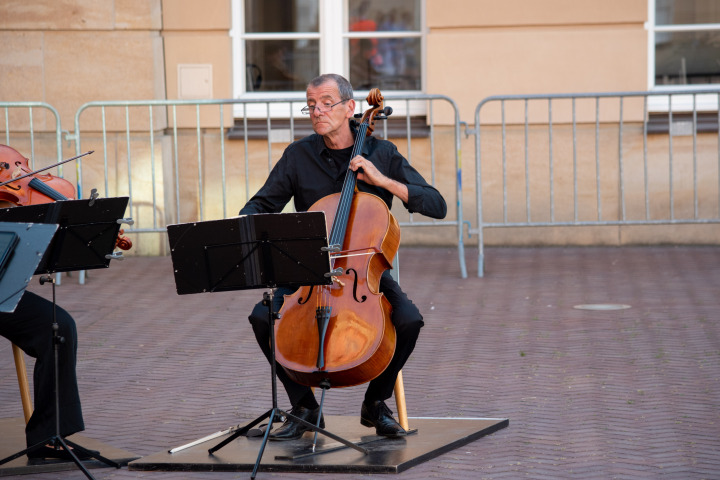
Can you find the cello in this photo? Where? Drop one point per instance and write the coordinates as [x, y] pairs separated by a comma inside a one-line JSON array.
[[341, 334], [20, 186]]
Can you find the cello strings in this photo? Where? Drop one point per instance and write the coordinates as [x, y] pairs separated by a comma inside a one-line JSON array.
[[346, 196]]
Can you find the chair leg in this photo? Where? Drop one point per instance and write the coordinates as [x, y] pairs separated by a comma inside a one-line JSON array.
[[23, 382], [400, 401]]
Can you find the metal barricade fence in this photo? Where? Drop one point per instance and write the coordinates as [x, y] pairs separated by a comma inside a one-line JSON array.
[[178, 163], [24, 131], [586, 159], [20, 129]]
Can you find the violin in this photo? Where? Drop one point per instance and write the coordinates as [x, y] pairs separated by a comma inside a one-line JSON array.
[[21, 186], [341, 334], [32, 189]]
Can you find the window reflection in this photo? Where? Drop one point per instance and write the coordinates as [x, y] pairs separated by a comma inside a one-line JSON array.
[[287, 16], [682, 12], [388, 60], [280, 65], [276, 63], [686, 58], [689, 56]]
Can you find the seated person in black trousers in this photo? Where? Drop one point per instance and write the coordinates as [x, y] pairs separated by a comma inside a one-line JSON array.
[[30, 328], [311, 169]]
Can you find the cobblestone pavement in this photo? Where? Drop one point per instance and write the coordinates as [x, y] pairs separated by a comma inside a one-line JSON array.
[[590, 394]]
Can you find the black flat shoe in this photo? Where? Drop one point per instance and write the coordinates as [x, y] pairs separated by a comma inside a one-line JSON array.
[[291, 429], [60, 453], [377, 414]]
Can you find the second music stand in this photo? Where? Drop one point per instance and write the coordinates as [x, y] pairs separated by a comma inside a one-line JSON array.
[[85, 239], [254, 251]]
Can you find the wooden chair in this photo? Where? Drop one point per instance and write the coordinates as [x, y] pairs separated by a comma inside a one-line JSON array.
[[23, 382], [400, 402], [399, 386]]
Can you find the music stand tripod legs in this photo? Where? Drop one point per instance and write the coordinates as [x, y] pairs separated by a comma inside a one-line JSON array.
[[275, 412], [57, 440]]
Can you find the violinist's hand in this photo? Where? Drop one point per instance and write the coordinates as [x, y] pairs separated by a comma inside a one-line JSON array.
[[368, 173]]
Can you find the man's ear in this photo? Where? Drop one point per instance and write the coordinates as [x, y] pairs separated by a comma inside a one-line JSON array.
[[350, 108]]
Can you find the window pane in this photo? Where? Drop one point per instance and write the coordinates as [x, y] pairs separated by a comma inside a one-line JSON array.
[[273, 16], [281, 65], [384, 15], [686, 12], [390, 63], [687, 58], [385, 63]]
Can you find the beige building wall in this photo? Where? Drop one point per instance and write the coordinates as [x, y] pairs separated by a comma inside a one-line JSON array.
[[73, 52], [480, 48], [70, 53]]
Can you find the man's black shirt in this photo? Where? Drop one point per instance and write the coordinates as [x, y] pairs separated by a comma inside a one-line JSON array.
[[307, 172]]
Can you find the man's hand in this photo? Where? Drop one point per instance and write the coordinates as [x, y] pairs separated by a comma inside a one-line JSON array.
[[368, 173]]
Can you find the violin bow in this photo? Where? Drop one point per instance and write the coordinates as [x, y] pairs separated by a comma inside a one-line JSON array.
[[46, 168]]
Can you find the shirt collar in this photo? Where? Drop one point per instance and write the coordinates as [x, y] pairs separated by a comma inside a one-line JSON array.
[[322, 149]]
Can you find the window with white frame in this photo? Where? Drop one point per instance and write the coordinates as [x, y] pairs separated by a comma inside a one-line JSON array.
[[280, 45], [685, 42], [684, 54]]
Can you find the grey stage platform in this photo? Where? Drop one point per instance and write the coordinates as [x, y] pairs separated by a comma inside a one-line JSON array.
[[12, 441], [434, 437]]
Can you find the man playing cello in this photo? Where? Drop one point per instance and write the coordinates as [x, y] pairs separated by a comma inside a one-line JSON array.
[[311, 169]]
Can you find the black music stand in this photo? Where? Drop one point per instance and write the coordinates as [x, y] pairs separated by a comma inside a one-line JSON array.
[[254, 251], [22, 245], [85, 239], [88, 230]]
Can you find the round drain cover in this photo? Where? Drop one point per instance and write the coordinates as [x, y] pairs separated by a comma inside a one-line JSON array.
[[602, 306]]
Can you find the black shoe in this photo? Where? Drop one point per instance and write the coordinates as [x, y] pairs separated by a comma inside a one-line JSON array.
[[60, 453], [291, 429], [377, 414]]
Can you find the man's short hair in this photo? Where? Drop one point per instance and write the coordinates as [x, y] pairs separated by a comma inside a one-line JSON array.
[[344, 88]]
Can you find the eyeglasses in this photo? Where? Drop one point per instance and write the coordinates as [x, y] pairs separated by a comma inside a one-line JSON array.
[[308, 110]]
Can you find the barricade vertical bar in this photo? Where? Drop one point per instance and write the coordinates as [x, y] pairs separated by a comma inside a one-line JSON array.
[[527, 166], [32, 138], [409, 139], [129, 164], [552, 165], [694, 136], [268, 130], [645, 160], [597, 159], [671, 164], [478, 194], [245, 144], [7, 126], [222, 160], [105, 157], [432, 142], [201, 194], [152, 164], [504, 163], [408, 129], [621, 173], [292, 122], [575, 168], [177, 165], [458, 190]]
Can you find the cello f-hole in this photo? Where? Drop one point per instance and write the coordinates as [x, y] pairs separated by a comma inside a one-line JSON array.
[[302, 301], [355, 284]]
